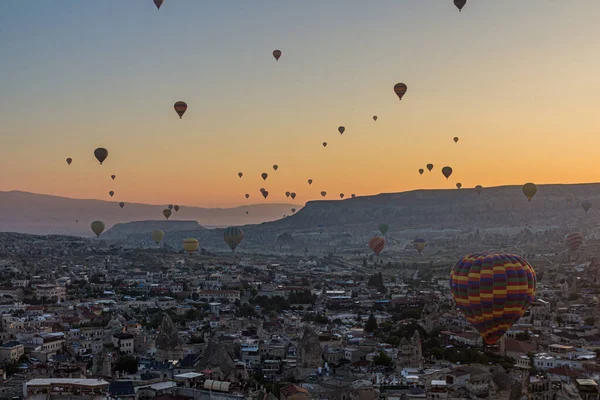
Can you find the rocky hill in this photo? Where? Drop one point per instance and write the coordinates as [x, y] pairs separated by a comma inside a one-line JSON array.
[[44, 214]]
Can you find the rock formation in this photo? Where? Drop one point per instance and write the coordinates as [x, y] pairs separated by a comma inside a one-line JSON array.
[[168, 342], [310, 353], [215, 357]]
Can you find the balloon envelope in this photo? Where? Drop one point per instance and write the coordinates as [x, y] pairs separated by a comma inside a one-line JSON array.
[[574, 241], [69, 161], [190, 245], [400, 90], [383, 228], [478, 189], [275, 167], [265, 194], [310, 181], [112, 193], [460, 4], [377, 244], [419, 244], [293, 195], [180, 108], [421, 170], [157, 235], [264, 175], [447, 171], [529, 190], [287, 194], [121, 204], [323, 193], [97, 227], [101, 153], [324, 144], [455, 140], [341, 130], [458, 185], [374, 117], [240, 174], [233, 236], [247, 195], [277, 54], [586, 204], [176, 207], [158, 3], [429, 167], [167, 213], [492, 290]]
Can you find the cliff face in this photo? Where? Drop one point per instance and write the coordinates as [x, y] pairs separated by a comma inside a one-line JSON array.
[[122, 230]]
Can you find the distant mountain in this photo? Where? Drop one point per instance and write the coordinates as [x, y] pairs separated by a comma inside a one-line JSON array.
[[430, 214], [45, 214]]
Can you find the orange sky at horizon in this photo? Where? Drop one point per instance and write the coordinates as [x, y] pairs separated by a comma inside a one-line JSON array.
[[521, 94]]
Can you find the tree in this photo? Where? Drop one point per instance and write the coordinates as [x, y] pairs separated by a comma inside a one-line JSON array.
[[371, 325], [523, 336], [382, 359], [127, 364]]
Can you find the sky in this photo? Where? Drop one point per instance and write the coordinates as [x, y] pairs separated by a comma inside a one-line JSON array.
[[517, 81]]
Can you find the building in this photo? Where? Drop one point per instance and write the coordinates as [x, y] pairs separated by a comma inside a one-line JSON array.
[[11, 351], [230, 295], [124, 342], [49, 343], [51, 292], [66, 387]]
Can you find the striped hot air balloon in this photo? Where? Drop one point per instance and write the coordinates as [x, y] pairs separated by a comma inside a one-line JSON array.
[[233, 236], [180, 108], [574, 240], [492, 290], [400, 90], [377, 244], [190, 245]]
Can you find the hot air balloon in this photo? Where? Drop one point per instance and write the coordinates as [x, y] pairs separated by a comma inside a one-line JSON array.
[[157, 235], [276, 54], [190, 245], [158, 3], [377, 244], [492, 290], [265, 194], [176, 207], [586, 204], [287, 194], [374, 117], [101, 153], [447, 171], [264, 175], [233, 236], [383, 228], [310, 181], [98, 227], [574, 241], [247, 195], [421, 170], [167, 213], [121, 204], [275, 167], [323, 193], [170, 207], [324, 144], [293, 211], [429, 167], [262, 190], [341, 130], [113, 177], [478, 189], [458, 185], [455, 139], [69, 161], [180, 108], [353, 195], [460, 4], [293, 195], [112, 193], [400, 90], [246, 212], [240, 174], [419, 244], [529, 190]]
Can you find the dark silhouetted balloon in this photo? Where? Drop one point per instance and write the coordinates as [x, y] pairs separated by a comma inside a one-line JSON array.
[[265, 194], [421, 170], [170, 206], [167, 213], [112, 193], [341, 130], [323, 193], [478, 189], [287, 194], [277, 54], [374, 117], [176, 208], [341, 195], [529, 190], [324, 144], [458, 185], [293, 195], [98, 227], [121, 204], [447, 171], [264, 175], [400, 90], [275, 167], [429, 167], [158, 3], [180, 108], [247, 195], [101, 154], [455, 140], [69, 161], [353, 195], [310, 181], [240, 174], [460, 4], [293, 211], [113, 177]]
